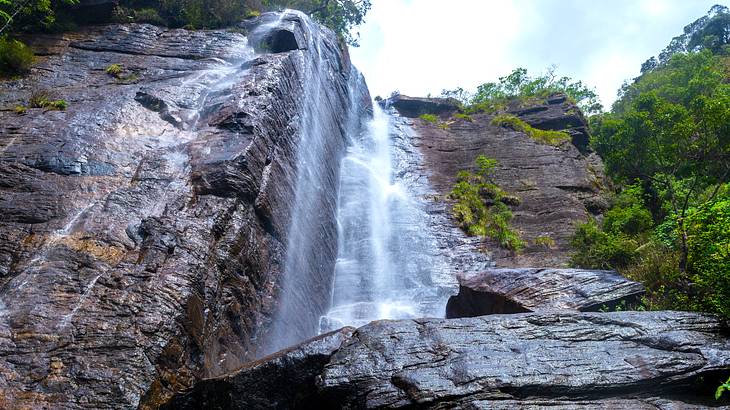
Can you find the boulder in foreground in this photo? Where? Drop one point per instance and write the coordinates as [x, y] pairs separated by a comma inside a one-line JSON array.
[[622, 360], [521, 290]]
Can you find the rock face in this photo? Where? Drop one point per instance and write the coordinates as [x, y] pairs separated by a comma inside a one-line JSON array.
[[413, 107], [143, 230], [615, 360], [532, 290], [284, 380], [558, 186]]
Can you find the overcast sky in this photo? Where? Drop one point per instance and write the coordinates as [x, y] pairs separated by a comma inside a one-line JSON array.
[[423, 46]]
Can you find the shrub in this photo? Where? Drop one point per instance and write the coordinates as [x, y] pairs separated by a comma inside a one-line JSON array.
[[545, 241], [545, 137], [709, 256], [479, 206], [628, 214], [20, 109], [596, 249], [15, 57], [465, 117], [114, 70], [433, 119], [42, 99]]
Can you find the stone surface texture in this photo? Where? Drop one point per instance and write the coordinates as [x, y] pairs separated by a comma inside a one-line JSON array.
[[534, 290], [558, 186], [142, 230], [621, 360]]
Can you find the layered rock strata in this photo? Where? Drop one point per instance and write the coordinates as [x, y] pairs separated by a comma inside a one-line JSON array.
[[143, 230]]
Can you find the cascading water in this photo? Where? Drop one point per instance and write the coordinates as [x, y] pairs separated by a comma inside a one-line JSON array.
[[386, 266], [311, 237]]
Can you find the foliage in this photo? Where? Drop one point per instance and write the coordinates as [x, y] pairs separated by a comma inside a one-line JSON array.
[[546, 137], [722, 388], [20, 109], [42, 99], [673, 123], [15, 57], [433, 119], [491, 96], [339, 15], [545, 241], [711, 31], [465, 117], [479, 207], [708, 229], [596, 249], [114, 70], [33, 15]]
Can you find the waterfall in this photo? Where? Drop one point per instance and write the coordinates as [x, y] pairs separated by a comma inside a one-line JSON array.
[[312, 233], [387, 267]]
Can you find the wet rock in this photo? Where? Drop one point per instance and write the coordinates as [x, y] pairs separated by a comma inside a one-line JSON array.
[[143, 230], [283, 380], [527, 357], [497, 291], [413, 107], [623, 360]]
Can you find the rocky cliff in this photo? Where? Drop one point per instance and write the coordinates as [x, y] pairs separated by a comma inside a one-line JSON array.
[[557, 185], [143, 230]]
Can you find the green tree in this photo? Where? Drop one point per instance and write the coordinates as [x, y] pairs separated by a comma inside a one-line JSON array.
[[518, 84]]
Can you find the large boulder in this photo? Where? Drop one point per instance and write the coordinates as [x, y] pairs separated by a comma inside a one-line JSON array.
[[623, 360], [532, 290]]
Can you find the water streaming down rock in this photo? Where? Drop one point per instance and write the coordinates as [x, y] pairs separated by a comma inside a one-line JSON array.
[[312, 232], [387, 267]]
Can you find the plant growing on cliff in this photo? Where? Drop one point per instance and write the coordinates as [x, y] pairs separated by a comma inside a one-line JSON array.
[[480, 207], [42, 99], [554, 138], [721, 389], [430, 118]]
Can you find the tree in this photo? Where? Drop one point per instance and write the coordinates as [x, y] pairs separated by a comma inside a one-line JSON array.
[[519, 84], [24, 15]]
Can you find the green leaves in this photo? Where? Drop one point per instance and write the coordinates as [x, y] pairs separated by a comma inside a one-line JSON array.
[[481, 205], [722, 388]]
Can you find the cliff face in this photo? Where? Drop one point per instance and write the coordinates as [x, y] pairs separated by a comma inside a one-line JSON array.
[[558, 186], [143, 230]]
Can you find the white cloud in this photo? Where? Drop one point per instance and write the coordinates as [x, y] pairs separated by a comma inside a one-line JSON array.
[[424, 46]]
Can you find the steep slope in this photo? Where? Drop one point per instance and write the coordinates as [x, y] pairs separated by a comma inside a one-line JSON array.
[[143, 230]]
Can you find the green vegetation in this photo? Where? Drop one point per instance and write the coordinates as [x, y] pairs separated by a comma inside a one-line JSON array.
[[545, 137], [665, 142], [722, 388], [519, 86], [15, 57], [545, 241], [431, 118], [114, 70], [43, 100], [20, 109], [465, 117], [480, 206]]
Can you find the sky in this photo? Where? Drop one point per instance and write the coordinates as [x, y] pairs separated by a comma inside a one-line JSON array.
[[419, 47]]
